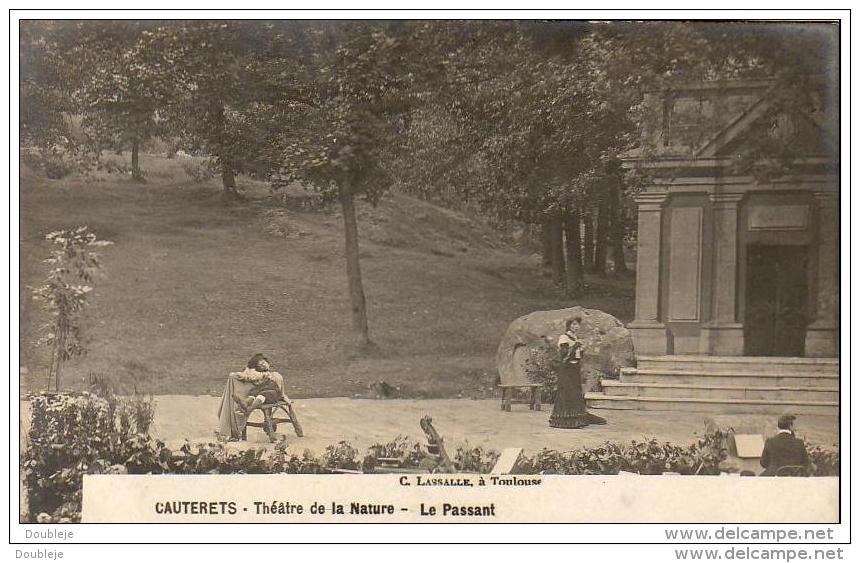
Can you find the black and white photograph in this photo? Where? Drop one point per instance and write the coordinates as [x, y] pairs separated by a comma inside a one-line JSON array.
[[491, 260]]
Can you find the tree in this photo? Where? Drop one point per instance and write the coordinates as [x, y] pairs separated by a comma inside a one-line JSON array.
[[126, 82], [573, 252], [517, 121], [65, 294], [531, 119], [341, 144], [44, 82], [617, 226], [236, 84], [49, 133]]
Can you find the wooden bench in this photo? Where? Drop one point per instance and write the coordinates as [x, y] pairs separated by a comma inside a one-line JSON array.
[[534, 400], [516, 378]]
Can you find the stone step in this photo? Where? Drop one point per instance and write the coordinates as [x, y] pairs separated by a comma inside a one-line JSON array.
[[721, 406], [723, 364], [736, 378], [617, 388]]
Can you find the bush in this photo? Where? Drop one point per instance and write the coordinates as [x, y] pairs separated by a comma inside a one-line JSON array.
[[137, 413], [307, 463], [72, 435], [113, 164], [646, 458], [197, 170], [824, 460], [76, 434], [543, 366], [54, 166], [341, 456], [410, 453], [475, 460], [57, 167], [213, 459], [57, 164], [134, 413]]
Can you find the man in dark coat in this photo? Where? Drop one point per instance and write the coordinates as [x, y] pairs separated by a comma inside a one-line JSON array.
[[784, 449]]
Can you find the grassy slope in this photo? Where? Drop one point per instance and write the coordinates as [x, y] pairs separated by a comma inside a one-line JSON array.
[[193, 287]]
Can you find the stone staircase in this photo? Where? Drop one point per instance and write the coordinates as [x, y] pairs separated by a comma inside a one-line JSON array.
[[726, 385]]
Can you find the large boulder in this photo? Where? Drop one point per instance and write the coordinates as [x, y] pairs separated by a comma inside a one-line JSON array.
[[607, 344]]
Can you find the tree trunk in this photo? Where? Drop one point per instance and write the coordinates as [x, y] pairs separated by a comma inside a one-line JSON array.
[[557, 248], [588, 241], [573, 251], [601, 238], [546, 239], [135, 160], [228, 180], [52, 368], [616, 230], [353, 268], [228, 174], [57, 373], [57, 357]]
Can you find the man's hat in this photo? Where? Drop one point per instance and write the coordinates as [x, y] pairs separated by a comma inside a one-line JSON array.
[[785, 421]]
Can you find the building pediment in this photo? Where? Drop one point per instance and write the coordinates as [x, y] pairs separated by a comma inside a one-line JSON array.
[[722, 123], [773, 131]]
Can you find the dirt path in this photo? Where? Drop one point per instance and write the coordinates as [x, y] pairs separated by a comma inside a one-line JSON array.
[[363, 422]]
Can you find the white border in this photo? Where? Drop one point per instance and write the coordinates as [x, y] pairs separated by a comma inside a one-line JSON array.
[[414, 533]]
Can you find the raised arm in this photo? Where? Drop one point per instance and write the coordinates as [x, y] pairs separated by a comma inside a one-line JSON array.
[[252, 376]]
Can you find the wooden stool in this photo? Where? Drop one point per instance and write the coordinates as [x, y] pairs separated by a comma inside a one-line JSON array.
[[516, 378], [534, 401], [270, 421]]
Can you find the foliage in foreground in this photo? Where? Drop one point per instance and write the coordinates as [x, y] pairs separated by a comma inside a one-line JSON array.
[[543, 366], [73, 435]]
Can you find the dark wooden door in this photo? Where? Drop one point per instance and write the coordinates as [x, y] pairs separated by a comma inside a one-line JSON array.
[[776, 300]]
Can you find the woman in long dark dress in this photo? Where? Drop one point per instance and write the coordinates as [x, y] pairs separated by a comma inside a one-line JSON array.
[[569, 408]]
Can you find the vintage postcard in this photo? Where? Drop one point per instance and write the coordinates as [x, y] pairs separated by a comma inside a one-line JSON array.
[[532, 269]]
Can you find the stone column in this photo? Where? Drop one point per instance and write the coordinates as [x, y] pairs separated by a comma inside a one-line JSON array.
[[723, 335], [649, 334], [822, 335]]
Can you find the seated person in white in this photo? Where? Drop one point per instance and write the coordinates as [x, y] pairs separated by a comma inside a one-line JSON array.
[[268, 385]]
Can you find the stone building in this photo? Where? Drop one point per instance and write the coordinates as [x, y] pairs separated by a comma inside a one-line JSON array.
[[738, 242]]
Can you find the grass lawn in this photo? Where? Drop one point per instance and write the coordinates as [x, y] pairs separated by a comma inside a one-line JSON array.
[[193, 286]]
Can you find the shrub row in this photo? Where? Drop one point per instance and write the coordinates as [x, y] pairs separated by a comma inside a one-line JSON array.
[[54, 164], [76, 434]]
